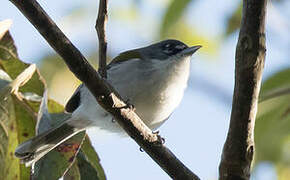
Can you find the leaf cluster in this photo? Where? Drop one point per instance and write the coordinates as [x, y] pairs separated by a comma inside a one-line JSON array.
[[25, 110]]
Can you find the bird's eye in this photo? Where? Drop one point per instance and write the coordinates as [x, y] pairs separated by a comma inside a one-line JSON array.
[[172, 49], [167, 45], [181, 47]]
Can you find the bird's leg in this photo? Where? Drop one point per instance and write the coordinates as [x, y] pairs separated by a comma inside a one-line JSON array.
[[160, 139], [156, 132], [129, 105], [140, 149]]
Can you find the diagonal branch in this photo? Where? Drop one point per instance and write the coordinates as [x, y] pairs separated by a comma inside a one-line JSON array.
[[101, 29], [103, 92], [250, 54]]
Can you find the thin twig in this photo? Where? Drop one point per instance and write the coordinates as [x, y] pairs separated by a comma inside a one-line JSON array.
[[101, 30], [103, 92], [250, 54]]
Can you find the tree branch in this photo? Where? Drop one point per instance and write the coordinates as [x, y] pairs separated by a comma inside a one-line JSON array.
[[250, 54], [103, 92], [101, 29]]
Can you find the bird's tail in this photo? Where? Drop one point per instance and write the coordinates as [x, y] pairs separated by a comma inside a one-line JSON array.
[[32, 150]]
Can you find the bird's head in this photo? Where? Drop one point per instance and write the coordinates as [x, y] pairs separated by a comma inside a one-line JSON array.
[[164, 51], [167, 49]]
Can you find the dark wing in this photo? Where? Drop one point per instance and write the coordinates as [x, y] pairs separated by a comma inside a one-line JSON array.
[[74, 102], [125, 56]]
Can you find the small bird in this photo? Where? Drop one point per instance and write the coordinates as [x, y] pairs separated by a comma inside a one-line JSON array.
[[152, 78]]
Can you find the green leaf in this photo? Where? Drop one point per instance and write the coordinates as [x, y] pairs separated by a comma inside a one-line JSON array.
[[7, 47], [58, 160], [272, 131], [87, 163], [10, 63], [73, 173], [173, 13], [16, 123], [277, 81], [25, 123], [8, 135], [21, 104], [92, 158], [61, 158], [86, 169]]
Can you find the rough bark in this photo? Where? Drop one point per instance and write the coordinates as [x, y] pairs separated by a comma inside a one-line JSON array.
[[249, 63], [103, 92]]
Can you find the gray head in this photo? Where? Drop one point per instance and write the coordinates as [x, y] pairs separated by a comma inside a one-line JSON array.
[[165, 49]]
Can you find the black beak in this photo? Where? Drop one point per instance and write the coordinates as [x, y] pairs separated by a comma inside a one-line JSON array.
[[189, 51]]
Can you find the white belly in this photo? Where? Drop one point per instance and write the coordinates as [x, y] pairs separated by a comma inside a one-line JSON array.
[[155, 93]]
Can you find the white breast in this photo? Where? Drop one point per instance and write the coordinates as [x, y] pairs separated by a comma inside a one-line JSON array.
[[155, 90]]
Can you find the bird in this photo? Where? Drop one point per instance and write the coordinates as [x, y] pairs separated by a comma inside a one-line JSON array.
[[152, 78]]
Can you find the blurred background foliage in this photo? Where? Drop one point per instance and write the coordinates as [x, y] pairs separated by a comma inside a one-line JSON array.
[[214, 25]]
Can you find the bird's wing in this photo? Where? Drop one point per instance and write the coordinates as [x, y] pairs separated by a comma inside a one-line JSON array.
[[74, 102], [125, 56]]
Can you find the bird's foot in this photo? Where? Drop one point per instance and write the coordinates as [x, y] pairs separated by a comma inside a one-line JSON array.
[[141, 149], [129, 105], [160, 139], [156, 132]]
